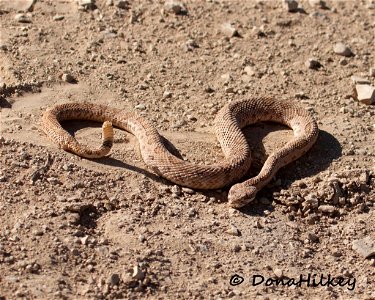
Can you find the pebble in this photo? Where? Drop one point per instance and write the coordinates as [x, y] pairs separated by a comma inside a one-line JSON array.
[[58, 18], [312, 237], [192, 212], [121, 4], [114, 279], [84, 240], [372, 72], [226, 78], [318, 3], [68, 78], [167, 94], [249, 70], [190, 45], [209, 89], [359, 80], [188, 191], [290, 5], [343, 61], [138, 273], [176, 190], [278, 273], [22, 18], [86, 4], [140, 106], [326, 208], [365, 247], [364, 177], [342, 49], [38, 232], [176, 7], [233, 231], [229, 30], [365, 93], [312, 63]]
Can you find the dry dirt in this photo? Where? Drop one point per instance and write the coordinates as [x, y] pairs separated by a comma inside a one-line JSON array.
[[72, 228]]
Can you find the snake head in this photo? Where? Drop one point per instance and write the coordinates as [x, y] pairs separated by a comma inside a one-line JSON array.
[[240, 195]]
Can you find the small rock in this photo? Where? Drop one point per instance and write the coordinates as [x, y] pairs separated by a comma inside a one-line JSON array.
[[364, 247], [176, 7], [123, 4], [58, 18], [312, 237], [364, 177], [190, 45], [22, 18], [68, 78], [342, 49], [229, 90], [114, 279], [167, 94], [312, 63], [138, 273], [359, 80], [192, 212], [326, 209], [38, 232], [229, 30], [278, 273], [226, 78], [209, 89], [249, 70], [86, 4], [84, 240], [258, 224], [343, 61], [140, 106], [233, 231], [372, 72], [176, 190], [188, 191], [318, 3], [364, 93], [290, 5]]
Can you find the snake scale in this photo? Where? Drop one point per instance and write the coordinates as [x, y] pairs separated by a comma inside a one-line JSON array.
[[228, 124]]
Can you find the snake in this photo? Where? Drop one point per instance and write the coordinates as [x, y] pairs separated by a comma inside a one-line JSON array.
[[228, 124]]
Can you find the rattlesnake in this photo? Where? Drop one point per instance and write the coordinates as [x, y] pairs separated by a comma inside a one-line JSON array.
[[228, 123]]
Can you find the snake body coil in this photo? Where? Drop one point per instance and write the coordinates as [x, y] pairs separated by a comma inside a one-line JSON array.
[[228, 124]]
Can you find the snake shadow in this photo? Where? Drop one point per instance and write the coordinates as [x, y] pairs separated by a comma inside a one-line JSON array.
[[317, 159], [73, 127], [326, 149]]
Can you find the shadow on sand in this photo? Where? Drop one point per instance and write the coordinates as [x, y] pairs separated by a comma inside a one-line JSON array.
[[318, 158]]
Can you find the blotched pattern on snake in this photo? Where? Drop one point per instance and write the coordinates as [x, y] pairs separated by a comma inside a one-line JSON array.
[[228, 124]]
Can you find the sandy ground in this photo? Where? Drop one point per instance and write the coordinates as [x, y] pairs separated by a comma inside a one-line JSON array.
[[72, 228]]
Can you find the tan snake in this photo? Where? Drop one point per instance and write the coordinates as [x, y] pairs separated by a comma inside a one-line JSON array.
[[228, 123]]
